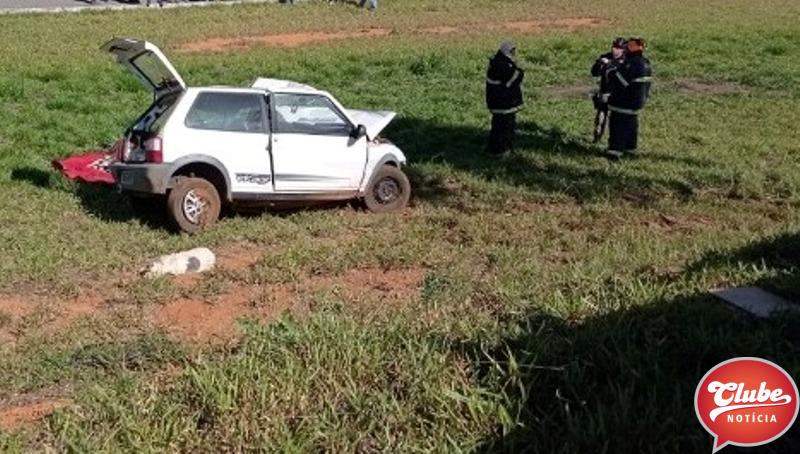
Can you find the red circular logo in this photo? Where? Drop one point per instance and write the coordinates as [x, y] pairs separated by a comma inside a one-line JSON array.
[[746, 402]]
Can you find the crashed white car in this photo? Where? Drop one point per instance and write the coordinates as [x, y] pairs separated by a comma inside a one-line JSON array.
[[197, 148]]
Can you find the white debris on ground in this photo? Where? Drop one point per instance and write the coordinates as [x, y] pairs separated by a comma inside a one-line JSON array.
[[191, 261]]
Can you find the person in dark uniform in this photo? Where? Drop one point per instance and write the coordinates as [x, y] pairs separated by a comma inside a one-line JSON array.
[[503, 98], [600, 99], [630, 89]]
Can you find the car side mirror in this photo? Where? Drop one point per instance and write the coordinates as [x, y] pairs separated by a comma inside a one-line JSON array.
[[358, 132]]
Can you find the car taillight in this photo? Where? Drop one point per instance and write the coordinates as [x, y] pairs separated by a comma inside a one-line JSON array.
[[153, 151]]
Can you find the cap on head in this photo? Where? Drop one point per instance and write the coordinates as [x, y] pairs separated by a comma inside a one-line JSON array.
[[619, 43], [636, 44], [508, 48]]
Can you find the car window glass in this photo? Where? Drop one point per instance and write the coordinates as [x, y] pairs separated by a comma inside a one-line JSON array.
[[238, 112], [152, 68], [308, 114]]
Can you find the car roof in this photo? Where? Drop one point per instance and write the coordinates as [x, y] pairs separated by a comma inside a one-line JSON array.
[[283, 86], [268, 85]]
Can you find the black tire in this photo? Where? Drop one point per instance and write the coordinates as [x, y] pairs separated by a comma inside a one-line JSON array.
[[151, 209], [389, 190], [193, 204]]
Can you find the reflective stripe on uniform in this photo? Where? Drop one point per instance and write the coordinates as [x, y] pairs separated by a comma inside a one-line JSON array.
[[643, 79], [622, 79], [623, 111], [513, 78], [493, 82], [506, 111]]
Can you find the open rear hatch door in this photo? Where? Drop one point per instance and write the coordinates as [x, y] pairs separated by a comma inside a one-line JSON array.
[[146, 61], [373, 120]]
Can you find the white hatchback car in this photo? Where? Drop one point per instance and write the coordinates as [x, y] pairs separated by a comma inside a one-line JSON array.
[[197, 148]]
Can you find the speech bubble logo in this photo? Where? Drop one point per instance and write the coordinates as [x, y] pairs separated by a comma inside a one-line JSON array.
[[746, 402]]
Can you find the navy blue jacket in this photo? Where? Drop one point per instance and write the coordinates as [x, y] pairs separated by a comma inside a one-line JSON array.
[[630, 84], [599, 70], [504, 85]]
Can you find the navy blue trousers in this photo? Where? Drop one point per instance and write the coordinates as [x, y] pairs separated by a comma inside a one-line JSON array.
[[623, 132]]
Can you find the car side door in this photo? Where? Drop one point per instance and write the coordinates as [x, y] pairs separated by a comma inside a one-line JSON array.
[[232, 127], [313, 148]]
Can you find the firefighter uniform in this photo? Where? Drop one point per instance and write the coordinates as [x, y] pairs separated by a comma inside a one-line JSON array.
[[630, 89], [600, 99], [503, 98]]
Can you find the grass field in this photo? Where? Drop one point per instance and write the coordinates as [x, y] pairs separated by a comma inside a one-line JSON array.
[[550, 302]]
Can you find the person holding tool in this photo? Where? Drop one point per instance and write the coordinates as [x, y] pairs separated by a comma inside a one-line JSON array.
[[600, 99]]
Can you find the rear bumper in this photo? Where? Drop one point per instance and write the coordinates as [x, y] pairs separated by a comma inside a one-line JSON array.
[[143, 178]]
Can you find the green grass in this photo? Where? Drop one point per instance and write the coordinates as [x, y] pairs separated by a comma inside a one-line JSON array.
[[564, 304]]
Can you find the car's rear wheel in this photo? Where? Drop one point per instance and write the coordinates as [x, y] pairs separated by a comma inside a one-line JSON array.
[[389, 190], [193, 204]]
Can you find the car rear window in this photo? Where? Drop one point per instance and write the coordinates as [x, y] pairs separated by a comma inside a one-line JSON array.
[[237, 112]]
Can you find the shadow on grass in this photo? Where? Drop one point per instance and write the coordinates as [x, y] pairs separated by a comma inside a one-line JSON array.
[[32, 176], [624, 382], [582, 173], [780, 254], [101, 201]]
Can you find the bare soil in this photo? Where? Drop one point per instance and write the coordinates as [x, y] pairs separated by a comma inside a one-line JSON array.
[[704, 87], [288, 40], [28, 408], [195, 318]]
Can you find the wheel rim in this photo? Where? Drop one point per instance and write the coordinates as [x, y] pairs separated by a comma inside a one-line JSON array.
[[387, 191], [194, 206]]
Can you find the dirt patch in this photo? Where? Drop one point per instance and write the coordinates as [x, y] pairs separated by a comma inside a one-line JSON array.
[[211, 45], [66, 313], [31, 407], [23, 315], [14, 417], [210, 313], [239, 256], [704, 87], [282, 40], [440, 30], [665, 224], [14, 307], [196, 320], [396, 284], [200, 321]]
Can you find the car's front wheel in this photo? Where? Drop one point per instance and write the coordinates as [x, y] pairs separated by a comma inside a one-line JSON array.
[[389, 190], [193, 204]]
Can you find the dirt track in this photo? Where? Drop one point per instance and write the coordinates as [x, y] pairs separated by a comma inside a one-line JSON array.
[[229, 44]]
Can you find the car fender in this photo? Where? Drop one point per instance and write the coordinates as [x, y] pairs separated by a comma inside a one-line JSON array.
[[380, 155], [202, 159]]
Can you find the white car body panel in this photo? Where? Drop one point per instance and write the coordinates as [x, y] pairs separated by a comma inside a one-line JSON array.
[[313, 163], [244, 155], [374, 120]]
